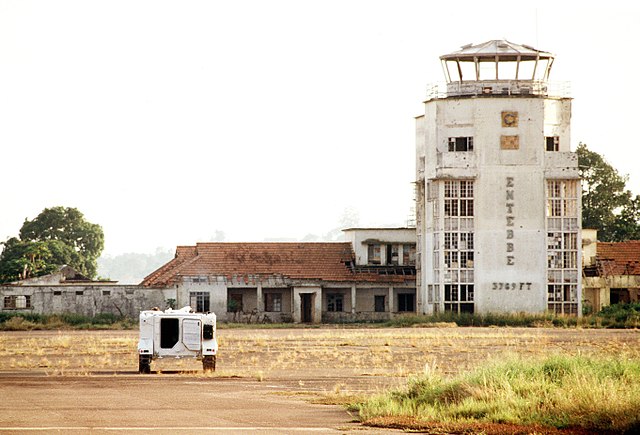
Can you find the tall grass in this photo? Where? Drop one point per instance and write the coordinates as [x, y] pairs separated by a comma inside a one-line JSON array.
[[596, 394], [33, 321]]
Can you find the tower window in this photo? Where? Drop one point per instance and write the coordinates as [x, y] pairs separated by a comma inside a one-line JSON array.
[[460, 144], [553, 143]]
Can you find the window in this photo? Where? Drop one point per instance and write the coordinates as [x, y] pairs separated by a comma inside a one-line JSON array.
[[106, 292], [406, 302], [199, 301], [374, 254], [17, 302], [234, 304], [335, 302], [392, 254], [460, 144], [199, 279], [409, 255], [57, 292], [458, 298], [379, 303], [562, 246], [273, 302], [169, 332], [79, 292], [552, 143]]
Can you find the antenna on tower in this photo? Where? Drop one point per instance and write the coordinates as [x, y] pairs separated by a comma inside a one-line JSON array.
[[537, 45]]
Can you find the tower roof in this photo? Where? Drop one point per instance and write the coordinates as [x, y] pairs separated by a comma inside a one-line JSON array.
[[502, 48]]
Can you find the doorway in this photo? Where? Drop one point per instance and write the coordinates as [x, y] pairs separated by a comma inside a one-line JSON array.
[[306, 307]]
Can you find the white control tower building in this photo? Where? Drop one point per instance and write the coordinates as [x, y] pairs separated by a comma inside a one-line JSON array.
[[498, 190]]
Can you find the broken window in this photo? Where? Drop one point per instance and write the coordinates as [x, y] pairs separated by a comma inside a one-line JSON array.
[[409, 254], [273, 302], [335, 302], [17, 302], [460, 144], [406, 302], [379, 303], [392, 254], [374, 254], [199, 301], [552, 143], [562, 246]]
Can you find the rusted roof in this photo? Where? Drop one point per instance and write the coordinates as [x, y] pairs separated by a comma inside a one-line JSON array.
[[324, 261], [504, 49], [618, 258]]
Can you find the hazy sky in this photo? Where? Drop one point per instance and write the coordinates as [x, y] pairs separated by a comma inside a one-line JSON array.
[[164, 121]]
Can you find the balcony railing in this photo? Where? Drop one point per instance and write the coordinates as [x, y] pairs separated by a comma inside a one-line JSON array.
[[507, 88]]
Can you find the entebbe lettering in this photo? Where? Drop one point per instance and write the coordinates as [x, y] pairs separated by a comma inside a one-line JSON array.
[[510, 222]]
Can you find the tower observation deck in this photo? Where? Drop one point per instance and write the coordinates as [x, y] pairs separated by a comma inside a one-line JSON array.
[[496, 68]]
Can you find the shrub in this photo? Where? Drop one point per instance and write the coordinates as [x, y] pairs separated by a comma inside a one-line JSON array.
[[595, 394]]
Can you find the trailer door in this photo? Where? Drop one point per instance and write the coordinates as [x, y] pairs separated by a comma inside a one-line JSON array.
[[191, 334]]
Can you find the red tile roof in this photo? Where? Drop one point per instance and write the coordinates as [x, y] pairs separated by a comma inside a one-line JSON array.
[[619, 258], [324, 261]]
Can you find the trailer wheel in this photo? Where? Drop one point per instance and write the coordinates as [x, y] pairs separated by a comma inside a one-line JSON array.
[[209, 363], [144, 364]]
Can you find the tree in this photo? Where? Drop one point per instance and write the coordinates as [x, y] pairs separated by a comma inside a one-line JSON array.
[[606, 203], [57, 236]]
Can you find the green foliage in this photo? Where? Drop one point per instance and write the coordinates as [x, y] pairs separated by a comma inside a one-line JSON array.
[[606, 203], [620, 316], [20, 321], [595, 394], [57, 236]]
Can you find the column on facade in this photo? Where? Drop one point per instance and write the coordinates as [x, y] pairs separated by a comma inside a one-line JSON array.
[[353, 299], [391, 301], [259, 302]]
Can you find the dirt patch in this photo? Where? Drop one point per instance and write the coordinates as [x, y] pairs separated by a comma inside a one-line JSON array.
[[266, 380]]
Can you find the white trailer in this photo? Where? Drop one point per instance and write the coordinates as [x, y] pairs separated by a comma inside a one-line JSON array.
[[177, 334]]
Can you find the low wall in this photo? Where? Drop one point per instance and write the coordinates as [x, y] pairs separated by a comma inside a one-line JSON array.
[[87, 300]]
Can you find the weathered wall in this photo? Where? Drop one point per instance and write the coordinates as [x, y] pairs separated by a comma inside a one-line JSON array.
[[88, 300], [357, 237], [509, 275]]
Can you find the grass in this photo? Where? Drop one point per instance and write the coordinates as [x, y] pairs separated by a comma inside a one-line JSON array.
[[619, 316], [559, 391], [32, 321]]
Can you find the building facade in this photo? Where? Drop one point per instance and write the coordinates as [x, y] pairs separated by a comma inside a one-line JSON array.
[[611, 272], [309, 282], [498, 190]]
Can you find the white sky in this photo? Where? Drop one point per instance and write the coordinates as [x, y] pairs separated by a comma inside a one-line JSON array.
[[164, 121]]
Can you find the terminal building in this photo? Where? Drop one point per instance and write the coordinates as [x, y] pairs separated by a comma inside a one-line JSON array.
[[498, 190]]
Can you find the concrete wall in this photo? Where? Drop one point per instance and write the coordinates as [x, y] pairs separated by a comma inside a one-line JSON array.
[[510, 268], [360, 239], [88, 300]]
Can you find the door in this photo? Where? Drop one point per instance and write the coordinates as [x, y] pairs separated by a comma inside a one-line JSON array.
[[191, 334], [306, 307]]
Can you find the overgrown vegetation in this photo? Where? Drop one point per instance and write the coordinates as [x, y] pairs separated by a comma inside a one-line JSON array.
[[593, 393], [32, 321], [615, 316]]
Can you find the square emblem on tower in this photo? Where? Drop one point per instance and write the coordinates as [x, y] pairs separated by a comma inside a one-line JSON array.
[[509, 119]]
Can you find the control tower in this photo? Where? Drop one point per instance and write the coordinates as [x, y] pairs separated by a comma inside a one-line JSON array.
[[498, 190]]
